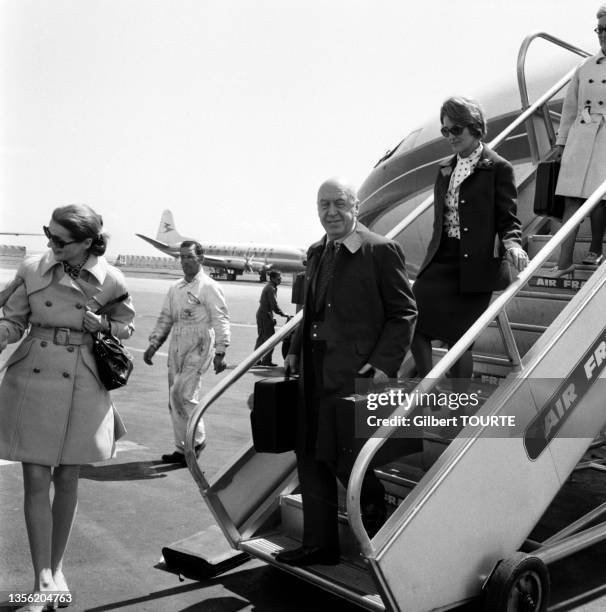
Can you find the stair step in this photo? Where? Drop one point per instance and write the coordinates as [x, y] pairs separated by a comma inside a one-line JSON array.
[[291, 512], [348, 580], [536, 294], [491, 342], [570, 283], [399, 478], [537, 307], [537, 242], [488, 368]]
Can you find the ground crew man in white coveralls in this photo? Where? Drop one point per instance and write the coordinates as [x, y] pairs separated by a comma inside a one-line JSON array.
[[196, 313]]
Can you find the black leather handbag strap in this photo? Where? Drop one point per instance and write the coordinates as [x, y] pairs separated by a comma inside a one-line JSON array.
[[109, 304]]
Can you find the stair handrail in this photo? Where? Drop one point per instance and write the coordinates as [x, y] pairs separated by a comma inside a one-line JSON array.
[[452, 356], [218, 390], [521, 71]]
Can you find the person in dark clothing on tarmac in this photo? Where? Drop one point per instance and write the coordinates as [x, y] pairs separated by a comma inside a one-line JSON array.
[[266, 324]]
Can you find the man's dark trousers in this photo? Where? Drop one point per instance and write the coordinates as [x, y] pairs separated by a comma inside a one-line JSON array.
[[317, 478], [266, 327]]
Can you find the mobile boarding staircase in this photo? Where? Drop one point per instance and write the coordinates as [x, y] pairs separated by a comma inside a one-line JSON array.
[[464, 517]]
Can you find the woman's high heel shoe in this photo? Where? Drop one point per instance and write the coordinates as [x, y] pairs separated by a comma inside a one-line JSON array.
[[64, 596]]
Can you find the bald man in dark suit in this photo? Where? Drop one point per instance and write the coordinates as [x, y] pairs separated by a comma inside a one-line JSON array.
[[359, 316]]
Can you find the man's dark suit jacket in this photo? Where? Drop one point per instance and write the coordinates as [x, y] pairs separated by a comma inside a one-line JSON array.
[[369, 317], [487, 208]]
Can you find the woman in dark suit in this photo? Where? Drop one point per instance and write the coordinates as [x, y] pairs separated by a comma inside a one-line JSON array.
[[474, 206]]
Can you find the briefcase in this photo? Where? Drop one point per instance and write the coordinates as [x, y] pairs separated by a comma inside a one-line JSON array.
[[273, 416], [546, 202]]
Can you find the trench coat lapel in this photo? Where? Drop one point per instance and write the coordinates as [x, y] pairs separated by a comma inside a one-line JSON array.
[[97, 271], [48, 267], [89, 289], [44, 276]]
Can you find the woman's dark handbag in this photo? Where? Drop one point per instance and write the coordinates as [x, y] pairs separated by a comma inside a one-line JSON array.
[[114, 362], [273, 416], [546, 202]]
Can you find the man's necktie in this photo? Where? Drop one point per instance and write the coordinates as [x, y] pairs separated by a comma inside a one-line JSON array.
[[327, 264]]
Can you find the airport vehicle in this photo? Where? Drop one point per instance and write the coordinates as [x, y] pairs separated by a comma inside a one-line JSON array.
[[230, 259], [467, 504]]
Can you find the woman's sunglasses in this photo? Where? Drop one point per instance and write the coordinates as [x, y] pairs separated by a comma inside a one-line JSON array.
[[58, 242], [455, 130]]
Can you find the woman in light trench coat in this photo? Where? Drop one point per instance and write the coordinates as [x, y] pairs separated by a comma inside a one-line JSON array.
[[54, 410], [581, 145]]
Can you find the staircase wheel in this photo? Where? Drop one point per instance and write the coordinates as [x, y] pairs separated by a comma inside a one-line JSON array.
[[520, 583]]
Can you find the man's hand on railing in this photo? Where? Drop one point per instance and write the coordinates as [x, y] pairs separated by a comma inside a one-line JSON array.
[[291, 365], [558, 152], [518, 258]]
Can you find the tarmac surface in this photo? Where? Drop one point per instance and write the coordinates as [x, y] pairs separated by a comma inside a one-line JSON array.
[[134, 505]]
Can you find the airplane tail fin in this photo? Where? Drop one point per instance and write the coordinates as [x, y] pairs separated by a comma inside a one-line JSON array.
[[167, 232]]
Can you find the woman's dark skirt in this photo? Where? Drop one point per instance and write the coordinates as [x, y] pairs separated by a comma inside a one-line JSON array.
[[444, 312]]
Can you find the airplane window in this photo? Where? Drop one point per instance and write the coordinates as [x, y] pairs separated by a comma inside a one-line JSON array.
[[405, 145]]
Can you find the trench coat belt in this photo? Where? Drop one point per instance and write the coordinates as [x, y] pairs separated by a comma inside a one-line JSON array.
[[62, 336]]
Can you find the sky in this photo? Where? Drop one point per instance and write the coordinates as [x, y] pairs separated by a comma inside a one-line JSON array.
[[232, 112]]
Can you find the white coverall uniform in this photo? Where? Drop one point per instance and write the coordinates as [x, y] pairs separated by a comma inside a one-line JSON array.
[[197, 315]]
